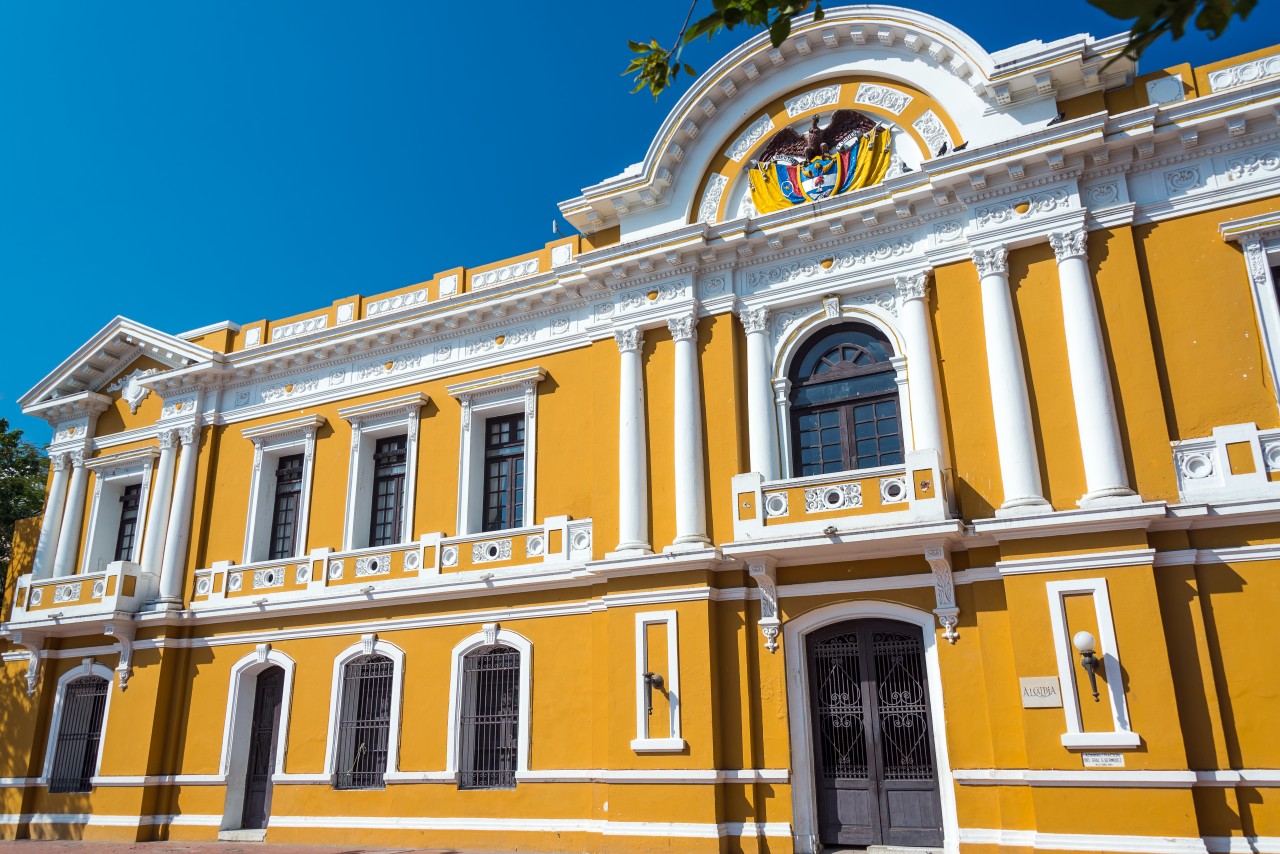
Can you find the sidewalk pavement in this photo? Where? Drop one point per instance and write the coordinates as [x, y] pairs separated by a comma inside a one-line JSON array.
[[62, 846]]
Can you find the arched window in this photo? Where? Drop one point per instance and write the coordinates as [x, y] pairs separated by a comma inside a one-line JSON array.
[[844, 402], [78, 733], [489, 731], [364, 723]]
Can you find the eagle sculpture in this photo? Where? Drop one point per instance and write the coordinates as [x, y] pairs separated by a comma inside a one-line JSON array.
[[851, 152], [816, 140]]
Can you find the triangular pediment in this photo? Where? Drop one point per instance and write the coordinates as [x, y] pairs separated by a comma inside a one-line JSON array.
[[108, 355]]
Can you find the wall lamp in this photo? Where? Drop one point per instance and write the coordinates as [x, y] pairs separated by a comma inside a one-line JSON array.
[[1085, 643], [651, 681]]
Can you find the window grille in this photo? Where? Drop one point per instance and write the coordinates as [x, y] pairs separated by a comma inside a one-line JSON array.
[[128, 529], [284, 514], [504, 472], [490, 718], [844, 403], [75, 757], [364, 724], [386, 516]]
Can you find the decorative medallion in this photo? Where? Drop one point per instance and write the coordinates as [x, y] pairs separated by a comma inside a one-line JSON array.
[[131, 389]]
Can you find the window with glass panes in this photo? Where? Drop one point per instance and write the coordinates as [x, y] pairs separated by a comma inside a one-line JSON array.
[[844, 403], [127, 531], [503, 472], [386, 516], [284, 513]]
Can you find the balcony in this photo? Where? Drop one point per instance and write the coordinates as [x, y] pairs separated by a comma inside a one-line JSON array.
[[432, 561], [121, 588], [1238, 463], [888, 501]]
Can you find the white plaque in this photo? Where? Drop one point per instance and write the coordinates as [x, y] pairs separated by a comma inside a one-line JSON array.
[[1041, 692], [1103, 760]]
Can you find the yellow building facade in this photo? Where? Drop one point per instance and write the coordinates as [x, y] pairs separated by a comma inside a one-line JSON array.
[[934, 508]]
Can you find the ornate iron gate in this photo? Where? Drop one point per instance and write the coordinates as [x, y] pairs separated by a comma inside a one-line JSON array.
[[364, 724], [877, 782], [490, 718]]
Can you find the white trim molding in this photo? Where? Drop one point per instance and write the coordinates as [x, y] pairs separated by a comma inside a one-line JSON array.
[[1121, 736], [673, 741], [503, 394], [87, 667], [370, 644], [1259, 238], [370, 422], [233, 766], [1083, 841], [804, 806], [489, 636], [271, 441]]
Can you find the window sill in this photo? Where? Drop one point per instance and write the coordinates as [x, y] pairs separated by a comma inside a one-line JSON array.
[[658, 745], [1089, 740]]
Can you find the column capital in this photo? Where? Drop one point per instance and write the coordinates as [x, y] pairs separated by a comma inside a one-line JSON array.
[[630, 339], [912, 285], [167, 438], [76, 456], [754, 319], [189, 434], [991, 261], [1069, 244], [684, 327], [60, 461]]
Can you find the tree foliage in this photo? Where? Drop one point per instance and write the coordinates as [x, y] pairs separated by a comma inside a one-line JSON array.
[[656, 67], [23, 469]]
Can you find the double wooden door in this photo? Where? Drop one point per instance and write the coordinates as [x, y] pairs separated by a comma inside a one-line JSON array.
[[876, 777], [262, 748]]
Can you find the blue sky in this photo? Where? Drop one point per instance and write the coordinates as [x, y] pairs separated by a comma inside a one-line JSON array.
[[185, 163]]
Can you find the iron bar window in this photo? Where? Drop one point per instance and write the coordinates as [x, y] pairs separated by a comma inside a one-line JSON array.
[[128, 529], [386, 516], [284, 513], [490, 718], [364, 724], [75, 756], [503, 472]]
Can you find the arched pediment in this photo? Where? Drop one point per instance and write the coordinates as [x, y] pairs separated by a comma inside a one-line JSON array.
[[978, 98]]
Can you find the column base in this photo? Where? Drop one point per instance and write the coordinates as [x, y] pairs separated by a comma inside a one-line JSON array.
[[1111, 496], [1030, 505], [688, 543], [625, 550]]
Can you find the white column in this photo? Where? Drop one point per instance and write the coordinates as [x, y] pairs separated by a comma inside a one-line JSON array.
[[762, 429], [51, 524], [1105, 475], [161, 499], [691, 502], [1015, 437], [633, 466], [922, 370], [172, 569], [64, 559]]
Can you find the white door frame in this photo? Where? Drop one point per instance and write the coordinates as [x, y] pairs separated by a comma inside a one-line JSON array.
[[804, 804], [241, 693]]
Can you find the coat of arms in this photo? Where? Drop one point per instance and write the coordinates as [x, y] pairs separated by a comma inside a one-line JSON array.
[[850, 152]]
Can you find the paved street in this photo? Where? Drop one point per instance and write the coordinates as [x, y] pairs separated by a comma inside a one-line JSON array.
[[31, 846]]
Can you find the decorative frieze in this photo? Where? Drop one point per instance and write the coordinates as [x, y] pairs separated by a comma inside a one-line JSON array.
[[300, 327], [413, 299], [710, 207], [1245, 74], [892, 100], [504, 274], [489, 551], [843, 496], [367, 565], [933, 131], [814, 99], [753, 134]]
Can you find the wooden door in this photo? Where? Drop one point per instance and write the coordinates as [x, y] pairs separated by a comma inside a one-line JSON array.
[[262, 748], [876, 780]]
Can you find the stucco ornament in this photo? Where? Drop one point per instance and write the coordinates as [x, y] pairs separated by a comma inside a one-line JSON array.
[[131, 389]]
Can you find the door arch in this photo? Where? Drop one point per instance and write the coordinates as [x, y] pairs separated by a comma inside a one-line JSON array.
[[796, 634], [237, 735]]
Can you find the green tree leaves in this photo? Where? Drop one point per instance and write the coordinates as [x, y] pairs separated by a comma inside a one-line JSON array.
[[1154, 18], [23, 469]]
